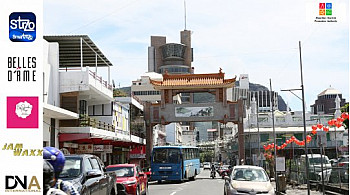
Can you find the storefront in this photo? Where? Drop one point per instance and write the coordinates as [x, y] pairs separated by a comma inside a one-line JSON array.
[[138, 155]]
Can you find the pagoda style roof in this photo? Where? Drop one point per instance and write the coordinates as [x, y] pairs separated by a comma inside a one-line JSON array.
[[193, 81]]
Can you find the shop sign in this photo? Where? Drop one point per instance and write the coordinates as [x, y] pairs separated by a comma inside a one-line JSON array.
[[137, 155], [85, 148], [70, 145], [98, 148], [108, 148]]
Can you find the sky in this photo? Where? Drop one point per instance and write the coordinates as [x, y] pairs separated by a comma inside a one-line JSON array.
[[259, 38]]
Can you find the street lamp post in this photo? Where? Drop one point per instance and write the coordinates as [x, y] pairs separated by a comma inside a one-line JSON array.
[[304, 120]]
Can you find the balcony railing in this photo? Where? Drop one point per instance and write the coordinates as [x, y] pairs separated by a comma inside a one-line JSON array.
[[91, 73], [91, 122], [99, 79]]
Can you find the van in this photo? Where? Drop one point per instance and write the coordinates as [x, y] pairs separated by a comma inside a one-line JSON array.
[[314, 165]]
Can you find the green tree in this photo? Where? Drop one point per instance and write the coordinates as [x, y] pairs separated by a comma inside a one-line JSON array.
[[207, 156], [119, 93]]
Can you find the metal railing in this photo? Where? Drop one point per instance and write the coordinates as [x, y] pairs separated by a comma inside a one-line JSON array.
[[334, 177], [91, 73], [91, 122]]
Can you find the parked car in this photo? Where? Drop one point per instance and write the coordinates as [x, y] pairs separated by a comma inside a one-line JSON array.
[[87, 173], [130, 179], [246, 179], [148, 172], [314, 165], [333, 175], [343, 161], [206, 165]]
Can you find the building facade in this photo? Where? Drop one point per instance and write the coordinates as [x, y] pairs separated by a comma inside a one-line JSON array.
[[325, 102], [175, 58], [80, 114]]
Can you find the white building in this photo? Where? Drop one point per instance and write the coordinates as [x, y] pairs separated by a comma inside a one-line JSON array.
[[80, 114], [144, 91]]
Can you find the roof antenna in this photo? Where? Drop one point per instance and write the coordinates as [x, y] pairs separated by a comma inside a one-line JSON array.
[[185, 12]]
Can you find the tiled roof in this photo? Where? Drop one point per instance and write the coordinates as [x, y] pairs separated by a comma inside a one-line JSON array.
[[215, 80]]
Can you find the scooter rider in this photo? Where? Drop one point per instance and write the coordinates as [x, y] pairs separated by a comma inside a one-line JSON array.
[[56, 158], [213, 170], [49, 175]]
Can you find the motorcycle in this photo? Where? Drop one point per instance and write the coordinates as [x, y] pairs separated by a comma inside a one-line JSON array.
[[225, 172], [212, 174]]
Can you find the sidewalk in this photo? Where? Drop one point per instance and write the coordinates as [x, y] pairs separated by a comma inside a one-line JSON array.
[[297, 190]]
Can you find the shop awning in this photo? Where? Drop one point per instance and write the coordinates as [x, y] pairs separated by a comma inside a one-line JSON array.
[[55, 112]]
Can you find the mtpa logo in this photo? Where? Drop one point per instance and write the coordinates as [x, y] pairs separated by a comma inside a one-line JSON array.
[[22, 27], [325, 9], [14, 183], [22, 112]]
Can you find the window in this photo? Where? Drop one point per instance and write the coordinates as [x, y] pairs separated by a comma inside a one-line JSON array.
[[122, 171], [82, 107], [87, 165], [264, 137], [94, 163], [71, 169]]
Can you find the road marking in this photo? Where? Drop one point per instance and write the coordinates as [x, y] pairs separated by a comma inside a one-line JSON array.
[[173, 193]]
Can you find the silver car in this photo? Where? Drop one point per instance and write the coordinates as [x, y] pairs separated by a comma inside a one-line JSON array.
[[246, 179]]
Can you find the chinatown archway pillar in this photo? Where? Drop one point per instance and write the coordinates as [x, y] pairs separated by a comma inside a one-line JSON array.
[[149, 132]]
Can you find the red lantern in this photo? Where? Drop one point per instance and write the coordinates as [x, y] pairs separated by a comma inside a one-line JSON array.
[[326, 129], [319, 126], [338, 124], [314, 127], [308, 138], [293, 138], [278, 148], [345, 115], [340, 119], [313, 132], [330, 123]]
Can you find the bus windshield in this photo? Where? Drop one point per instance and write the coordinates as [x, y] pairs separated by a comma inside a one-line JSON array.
[[166, 155]]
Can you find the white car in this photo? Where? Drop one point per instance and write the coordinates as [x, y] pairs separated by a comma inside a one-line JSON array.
[[246, 179], [206, 165]]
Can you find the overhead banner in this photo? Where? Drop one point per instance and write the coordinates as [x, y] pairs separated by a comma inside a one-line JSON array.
[[194, 111], [21, 135]]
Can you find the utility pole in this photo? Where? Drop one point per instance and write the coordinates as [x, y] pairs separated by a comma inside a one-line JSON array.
[[274, 134], [304, 120]]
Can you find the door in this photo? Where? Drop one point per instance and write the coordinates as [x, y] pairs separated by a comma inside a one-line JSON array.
[[90, 185], [102, 180]]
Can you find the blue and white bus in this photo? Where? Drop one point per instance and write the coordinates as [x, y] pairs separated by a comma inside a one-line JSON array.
[[174, 163]]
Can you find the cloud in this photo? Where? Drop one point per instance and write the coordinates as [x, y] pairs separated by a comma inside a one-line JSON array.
[[259, 38]]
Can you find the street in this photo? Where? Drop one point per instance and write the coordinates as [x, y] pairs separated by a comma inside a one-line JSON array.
[[202, 185]]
